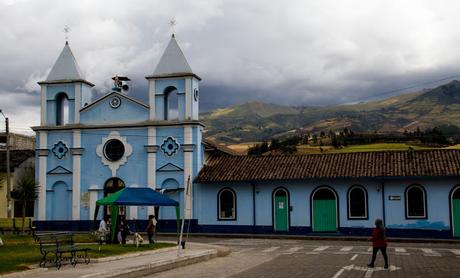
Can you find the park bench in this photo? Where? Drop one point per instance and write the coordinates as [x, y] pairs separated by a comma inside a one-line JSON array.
[[58, 245], [7, 225]]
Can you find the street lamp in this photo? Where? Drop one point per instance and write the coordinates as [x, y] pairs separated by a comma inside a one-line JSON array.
[[8, 179]]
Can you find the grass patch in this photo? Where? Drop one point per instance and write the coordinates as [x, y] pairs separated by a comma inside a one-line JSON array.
[[305, 149], [21, 251], [380, 147]]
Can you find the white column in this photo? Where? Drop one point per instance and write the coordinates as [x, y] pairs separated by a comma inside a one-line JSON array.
[[43, 105], [133, 209], [77, 103], [151, 163], [152, 99], [93, 197], [188, 164], [42, 177], [76, 176], [188, 98], [198, 147]]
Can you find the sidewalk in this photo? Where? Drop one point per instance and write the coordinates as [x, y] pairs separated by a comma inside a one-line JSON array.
[[131, 265]]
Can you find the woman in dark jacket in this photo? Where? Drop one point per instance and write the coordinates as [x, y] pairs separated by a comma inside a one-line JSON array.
[[379, 242], [150, 229]]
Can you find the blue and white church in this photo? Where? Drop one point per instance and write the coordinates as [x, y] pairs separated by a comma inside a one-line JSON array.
[[89, 148]]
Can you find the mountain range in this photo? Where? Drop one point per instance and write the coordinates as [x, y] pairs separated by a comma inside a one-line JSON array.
[[257, 121]]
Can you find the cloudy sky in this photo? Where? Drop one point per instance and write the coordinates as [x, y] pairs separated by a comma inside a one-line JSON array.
[[305, 52]]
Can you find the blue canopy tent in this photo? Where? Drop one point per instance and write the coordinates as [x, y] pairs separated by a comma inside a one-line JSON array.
[[134, 196]]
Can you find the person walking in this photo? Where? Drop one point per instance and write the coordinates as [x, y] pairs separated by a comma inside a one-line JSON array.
[[150, 229], [379, 242]]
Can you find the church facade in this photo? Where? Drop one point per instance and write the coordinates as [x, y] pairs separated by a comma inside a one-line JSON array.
[[88, 148]]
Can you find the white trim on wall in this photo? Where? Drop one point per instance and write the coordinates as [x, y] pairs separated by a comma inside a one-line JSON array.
[[42, 178], [451, 207], [93, 197], [151, 164], [114, 165], [43, 104], [336, 205], [188, 98], [353, 187], [188, 170], [152, 99], [274, 206], [77, 102], [406, 199], [76, 177], [219, 205]]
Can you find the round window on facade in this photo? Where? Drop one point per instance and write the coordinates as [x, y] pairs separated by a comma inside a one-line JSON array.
[[115, 102], [114, 150]]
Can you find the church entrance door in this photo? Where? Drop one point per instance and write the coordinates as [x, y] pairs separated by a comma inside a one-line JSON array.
[[324, 210], [111, 186], [455, 207], [281, 211]]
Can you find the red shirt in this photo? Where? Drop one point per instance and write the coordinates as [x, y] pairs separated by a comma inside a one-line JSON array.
[[378, 240]]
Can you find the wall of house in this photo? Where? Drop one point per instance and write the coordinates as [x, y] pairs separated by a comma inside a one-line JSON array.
[[437, 222]]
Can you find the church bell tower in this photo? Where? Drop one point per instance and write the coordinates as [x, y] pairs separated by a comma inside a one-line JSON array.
[[173, 104]]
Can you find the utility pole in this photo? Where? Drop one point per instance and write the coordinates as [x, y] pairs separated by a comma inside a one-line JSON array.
[[8, 175]]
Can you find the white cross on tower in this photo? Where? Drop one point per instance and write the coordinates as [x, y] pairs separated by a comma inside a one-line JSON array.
[[172, 23], [66, 31]]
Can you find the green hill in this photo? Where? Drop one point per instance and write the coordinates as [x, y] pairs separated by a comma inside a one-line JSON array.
[[256, 121]]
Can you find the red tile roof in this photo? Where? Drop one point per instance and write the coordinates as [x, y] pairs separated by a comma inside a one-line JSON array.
[[424, 163]]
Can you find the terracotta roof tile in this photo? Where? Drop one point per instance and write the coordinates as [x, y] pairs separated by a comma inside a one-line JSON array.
[[424, 163]]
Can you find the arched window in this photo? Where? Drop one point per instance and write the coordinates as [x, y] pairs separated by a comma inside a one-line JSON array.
[[357, 202], [415, 202], [62, 109], [227, 204], [171, 104]]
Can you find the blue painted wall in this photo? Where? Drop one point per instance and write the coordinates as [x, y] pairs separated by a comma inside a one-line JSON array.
[[300, 194], [103, 113]]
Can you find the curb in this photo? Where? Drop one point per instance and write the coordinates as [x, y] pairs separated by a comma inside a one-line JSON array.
[[131, 255], [320, 237], [24, 273], [140, 271]]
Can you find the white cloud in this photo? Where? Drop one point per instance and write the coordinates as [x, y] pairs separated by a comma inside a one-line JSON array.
[[294, 52]]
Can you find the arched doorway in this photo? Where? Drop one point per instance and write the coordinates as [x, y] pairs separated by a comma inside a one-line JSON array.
[[171, 188], [111, 186], [280, 210], [455, 211], [324, 210]]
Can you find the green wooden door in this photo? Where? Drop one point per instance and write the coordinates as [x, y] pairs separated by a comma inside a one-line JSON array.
[[456, 216], [281, 212], [324, 215]]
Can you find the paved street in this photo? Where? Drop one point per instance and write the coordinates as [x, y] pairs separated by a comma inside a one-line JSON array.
[[318, 258]]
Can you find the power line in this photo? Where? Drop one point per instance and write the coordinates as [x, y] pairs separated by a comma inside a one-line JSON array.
[[408, 87]]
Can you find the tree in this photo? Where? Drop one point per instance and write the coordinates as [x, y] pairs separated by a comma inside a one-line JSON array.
[[26, 191]]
